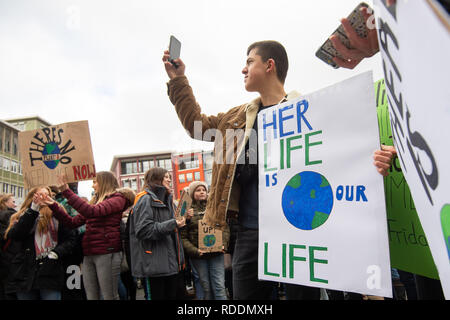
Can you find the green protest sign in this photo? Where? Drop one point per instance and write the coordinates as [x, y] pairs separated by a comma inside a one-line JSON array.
[[409, 249]]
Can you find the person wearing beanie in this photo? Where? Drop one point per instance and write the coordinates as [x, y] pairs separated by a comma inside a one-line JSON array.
[[210, 266]]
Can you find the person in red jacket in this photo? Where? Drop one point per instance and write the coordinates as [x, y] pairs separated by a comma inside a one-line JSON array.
[[102, 246]]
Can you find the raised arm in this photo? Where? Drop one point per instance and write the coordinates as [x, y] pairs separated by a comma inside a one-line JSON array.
[[182, 97], [65, 218], [112, 205]]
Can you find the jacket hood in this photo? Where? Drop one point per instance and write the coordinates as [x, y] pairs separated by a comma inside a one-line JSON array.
[[128, 194]]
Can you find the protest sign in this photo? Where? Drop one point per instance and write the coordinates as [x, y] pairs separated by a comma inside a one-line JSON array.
[[183, 205], [321, 201], [408, 244], [414, 43], [209, 238], [61, 149]]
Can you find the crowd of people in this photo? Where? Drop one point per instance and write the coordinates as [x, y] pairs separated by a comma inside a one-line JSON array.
[[119, 238], [127, 241]]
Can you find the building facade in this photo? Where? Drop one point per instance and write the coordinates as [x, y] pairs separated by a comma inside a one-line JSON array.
[[11, 178], [130, 169], [183, 167], [29, 123]]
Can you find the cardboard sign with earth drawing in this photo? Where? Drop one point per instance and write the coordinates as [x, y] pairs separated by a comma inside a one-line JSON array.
[[63, 149], [209, 238]]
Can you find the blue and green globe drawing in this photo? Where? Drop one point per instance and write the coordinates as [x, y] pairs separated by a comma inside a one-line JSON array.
[[307, 200], [209, 240], [51, 155]]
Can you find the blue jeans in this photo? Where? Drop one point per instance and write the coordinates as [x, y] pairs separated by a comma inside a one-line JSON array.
[[211, 272], [197, 285], [39, 295]]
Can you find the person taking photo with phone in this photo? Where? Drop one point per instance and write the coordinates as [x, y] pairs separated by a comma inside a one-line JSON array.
[[234, 187]]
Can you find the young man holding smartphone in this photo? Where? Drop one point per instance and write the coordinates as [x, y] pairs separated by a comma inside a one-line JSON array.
[[234, 186]]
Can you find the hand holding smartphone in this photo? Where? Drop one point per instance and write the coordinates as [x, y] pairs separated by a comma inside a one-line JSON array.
[[356, 20], [174, 50]]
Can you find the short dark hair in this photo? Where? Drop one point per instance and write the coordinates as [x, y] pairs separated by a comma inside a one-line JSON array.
[[270, 49]]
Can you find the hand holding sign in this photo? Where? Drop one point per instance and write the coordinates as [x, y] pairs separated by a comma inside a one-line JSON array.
[[190, 213], [181, 222], [383, 158]]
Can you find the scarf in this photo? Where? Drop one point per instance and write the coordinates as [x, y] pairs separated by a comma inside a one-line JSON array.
[[44, 242]]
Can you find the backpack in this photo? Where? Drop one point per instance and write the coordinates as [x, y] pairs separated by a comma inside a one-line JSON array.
[[125, 232]]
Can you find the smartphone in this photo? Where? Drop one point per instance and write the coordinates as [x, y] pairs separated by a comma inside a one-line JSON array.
[[174, 50], [327, 52]]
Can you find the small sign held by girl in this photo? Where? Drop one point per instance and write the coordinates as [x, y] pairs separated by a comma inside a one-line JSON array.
[[209, 238]]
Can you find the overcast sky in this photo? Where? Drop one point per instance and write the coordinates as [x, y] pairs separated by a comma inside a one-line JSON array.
[[101, 61]]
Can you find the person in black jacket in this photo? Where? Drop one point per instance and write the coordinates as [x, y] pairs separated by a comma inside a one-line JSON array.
[[7, 209], [37, 271]]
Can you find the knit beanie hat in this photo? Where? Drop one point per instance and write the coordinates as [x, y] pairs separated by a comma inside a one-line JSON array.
[[194, 185]]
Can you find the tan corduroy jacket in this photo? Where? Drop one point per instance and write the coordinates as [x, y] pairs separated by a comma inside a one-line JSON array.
[[224, 192]]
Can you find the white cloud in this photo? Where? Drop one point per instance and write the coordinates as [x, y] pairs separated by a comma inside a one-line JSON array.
[[101, 61]]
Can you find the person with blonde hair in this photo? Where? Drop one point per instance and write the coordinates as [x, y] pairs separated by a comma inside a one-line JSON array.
[[36, 271], [102, 246]]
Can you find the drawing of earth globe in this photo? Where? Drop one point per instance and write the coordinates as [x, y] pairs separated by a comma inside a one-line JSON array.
[[307, 200], [49, 150], [209, 240]]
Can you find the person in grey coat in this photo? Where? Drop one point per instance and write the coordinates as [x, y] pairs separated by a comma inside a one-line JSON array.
[[155, 242]]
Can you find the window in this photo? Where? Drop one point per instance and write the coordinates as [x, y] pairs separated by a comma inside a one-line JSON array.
[[181, 178], [208, 160], [15, 144], [129, 167], [197, 176], [13, 190], [134, 184], [14, 166], [20, 125], [126, 183], [146, 165], [189, 177], [142, 183], [6, 164], [208, 177], [7, 140], [165, 163], [5, 188], [1, 138], [188, 162]]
